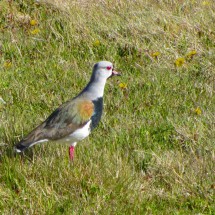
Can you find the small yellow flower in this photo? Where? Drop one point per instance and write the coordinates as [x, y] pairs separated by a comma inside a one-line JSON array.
[[198, 111], [35, 31], [205, 3], [96, 43], [191, 54], [155, 54], [7, 64], [33, 22], [123, 86], [179, 61]]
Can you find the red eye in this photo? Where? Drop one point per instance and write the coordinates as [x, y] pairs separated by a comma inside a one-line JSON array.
[[109, 67]]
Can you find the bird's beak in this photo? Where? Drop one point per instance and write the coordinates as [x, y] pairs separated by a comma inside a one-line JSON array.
[[114, 73]]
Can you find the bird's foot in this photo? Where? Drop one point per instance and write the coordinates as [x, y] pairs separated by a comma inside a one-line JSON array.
[[71, 152]]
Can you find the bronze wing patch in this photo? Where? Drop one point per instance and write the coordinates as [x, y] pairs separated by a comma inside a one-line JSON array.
[[85, 109]]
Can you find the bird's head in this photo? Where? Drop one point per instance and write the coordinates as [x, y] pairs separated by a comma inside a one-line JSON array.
[[104, 70]]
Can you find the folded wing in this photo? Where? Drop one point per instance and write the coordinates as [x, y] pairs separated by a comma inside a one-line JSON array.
[[69, 117]]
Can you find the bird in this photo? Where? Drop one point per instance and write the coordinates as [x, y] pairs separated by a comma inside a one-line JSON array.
[[75, 119]]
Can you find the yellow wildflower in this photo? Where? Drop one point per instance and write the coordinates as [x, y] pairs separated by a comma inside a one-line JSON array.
[[155, 54], [96, 43], [179, 61], [35, 31], [205, 3], [7, 64], [198, 111], [123, 86], [191, 54], [33, 22]]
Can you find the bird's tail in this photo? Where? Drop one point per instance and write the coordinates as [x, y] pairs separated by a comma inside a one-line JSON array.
[[21, 147], [36, 136], [25, 143]]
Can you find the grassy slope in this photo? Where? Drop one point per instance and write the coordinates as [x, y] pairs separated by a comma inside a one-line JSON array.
[[154, 150]]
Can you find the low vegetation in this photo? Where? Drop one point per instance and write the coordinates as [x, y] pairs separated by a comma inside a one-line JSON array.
[[154, 151]]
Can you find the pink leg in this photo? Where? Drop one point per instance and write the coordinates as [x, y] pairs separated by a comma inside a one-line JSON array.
[[71, 152]]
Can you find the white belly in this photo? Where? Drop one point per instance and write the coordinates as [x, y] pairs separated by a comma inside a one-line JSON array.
[[79, 134]]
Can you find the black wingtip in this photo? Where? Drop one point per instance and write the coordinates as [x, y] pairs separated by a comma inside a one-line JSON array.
[[20, 148]]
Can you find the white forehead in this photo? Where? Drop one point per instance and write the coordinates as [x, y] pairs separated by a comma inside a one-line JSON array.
[[103, 64]]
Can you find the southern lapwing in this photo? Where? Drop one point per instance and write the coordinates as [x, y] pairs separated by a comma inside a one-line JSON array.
[[75, 119]]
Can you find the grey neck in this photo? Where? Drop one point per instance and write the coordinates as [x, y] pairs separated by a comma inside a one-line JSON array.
[[94, 89]]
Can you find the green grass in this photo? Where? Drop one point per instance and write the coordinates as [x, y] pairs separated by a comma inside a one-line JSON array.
[[154, 151]]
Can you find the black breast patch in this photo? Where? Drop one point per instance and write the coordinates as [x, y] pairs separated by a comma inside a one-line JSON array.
[[98, 104]]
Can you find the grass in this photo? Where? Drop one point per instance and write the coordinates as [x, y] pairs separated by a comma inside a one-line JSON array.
[[153, 152]]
